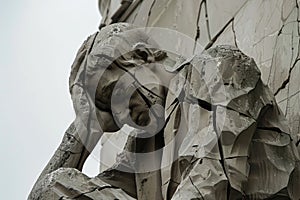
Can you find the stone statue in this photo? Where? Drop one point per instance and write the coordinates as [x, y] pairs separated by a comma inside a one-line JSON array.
[[205, 127]]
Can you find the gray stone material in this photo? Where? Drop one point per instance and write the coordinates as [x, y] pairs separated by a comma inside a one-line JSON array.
[[224, 137], [69, 183], [266, 30], [224, 126]]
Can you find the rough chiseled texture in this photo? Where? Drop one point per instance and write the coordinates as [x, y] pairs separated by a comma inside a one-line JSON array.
[[69, 183], [227, 136], [266, 30], [237, 143]]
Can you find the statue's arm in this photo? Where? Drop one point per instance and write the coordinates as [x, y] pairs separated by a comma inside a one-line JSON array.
[[71, 152], [67, 155]]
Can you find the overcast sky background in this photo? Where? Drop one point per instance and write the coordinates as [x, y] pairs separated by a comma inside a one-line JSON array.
[[39, 41]]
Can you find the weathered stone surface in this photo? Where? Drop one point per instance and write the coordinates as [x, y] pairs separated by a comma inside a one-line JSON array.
[[223, 128], [109, 149], [204, 181], [69, 183], [247, 122], [226, 137], [267, 31]]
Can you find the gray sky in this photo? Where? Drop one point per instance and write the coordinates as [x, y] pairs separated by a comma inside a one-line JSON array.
[[39, 40]]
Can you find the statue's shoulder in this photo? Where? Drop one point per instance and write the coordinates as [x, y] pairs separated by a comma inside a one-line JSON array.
[[235, 69]]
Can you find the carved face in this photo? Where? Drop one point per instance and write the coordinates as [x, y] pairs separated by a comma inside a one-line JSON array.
[[133, 89]]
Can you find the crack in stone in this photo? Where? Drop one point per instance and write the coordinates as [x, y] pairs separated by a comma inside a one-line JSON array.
[[197, 24], [176, 102], [279, 33], [264, 37], [132, 75], [287, 80], [276, 42], [297, 57], [298, 31], [90, 191], [202, 103], [234, 34], [221, 151], [275, 129], [206, 105], [214, 39], [273, 55], [85, 152], [150, 10], [148, 102], [240, 113], [282, 8], [206, 19], [292, 95], [196, 188]]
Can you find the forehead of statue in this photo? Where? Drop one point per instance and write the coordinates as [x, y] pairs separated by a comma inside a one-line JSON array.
[[124, 36], [120, 42]]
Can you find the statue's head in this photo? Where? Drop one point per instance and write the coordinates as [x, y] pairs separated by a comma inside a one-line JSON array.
[[125, 69]]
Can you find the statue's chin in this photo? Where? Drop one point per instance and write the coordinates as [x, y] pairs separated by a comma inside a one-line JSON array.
[[141, 118], [150, 121]]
